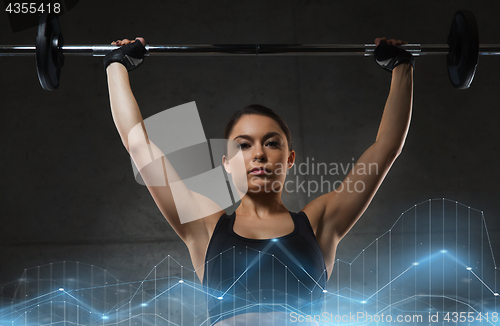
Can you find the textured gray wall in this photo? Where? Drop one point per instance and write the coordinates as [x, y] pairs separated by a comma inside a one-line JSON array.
[[68, 192]]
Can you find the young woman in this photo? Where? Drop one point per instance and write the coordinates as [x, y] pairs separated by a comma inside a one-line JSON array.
[[263, 253]]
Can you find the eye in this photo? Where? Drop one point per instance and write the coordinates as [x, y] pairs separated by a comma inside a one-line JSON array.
[[273, 143], [242, 145]]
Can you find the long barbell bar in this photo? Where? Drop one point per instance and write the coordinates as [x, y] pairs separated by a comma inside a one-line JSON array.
[[248, 49], [462, 51]]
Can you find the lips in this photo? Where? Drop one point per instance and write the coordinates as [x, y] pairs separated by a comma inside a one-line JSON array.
[[259, 171]]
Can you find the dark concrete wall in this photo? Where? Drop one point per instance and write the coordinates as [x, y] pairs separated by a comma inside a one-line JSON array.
[[68, 192]]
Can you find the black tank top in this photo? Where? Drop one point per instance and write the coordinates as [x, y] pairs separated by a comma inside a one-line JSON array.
[[244, 275]]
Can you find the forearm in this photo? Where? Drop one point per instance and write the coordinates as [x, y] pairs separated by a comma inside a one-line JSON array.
[[397, 112], [124, 108]]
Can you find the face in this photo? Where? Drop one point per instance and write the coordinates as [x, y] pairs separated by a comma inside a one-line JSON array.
[[261, 165]]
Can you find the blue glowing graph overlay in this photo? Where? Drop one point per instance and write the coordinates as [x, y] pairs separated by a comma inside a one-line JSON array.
[[437, 258]]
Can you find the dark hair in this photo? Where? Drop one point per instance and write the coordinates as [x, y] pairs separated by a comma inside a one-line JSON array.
[[260, 110]]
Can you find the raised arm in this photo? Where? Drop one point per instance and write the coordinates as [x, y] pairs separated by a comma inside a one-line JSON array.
[[124, 109], [337, 211], [155, 169]]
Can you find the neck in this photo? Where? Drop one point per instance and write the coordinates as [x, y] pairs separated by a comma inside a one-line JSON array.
[[261, 205]]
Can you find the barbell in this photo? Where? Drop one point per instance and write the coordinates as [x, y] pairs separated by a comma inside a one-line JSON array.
[[462, 50]]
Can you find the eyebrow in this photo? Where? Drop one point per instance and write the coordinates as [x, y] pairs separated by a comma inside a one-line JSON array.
[[268, 135]]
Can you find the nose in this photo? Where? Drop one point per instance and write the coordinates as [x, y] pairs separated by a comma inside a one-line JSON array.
[[258, 154]]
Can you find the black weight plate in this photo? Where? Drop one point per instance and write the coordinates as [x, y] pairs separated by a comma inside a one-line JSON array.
[[463, 55], [49, 57]]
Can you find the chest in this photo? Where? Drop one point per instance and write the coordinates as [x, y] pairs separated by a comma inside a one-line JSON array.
[[271, 264], [275, 227], [261, 253]]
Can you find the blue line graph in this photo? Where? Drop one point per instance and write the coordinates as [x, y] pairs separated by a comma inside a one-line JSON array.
[[435, 264]]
